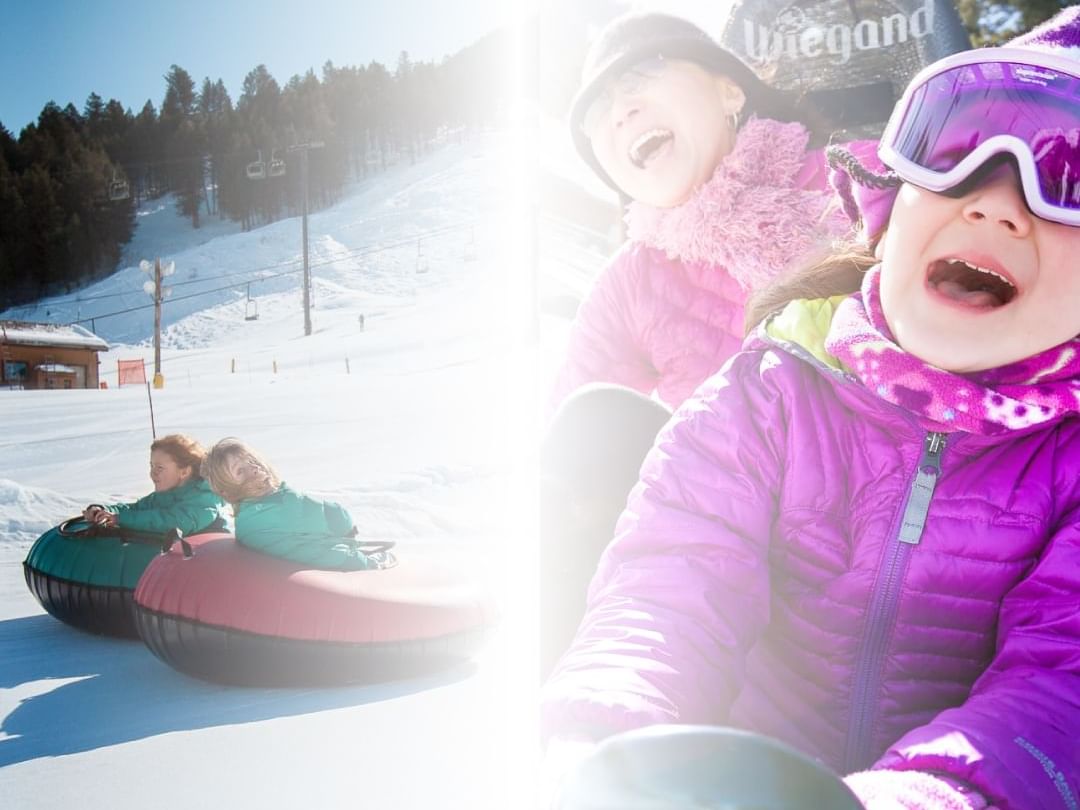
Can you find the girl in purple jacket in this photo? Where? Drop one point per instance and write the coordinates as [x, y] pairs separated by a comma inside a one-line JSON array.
[[723, 192], [863, 535]]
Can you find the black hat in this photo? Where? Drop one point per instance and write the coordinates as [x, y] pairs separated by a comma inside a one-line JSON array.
[[632, 38]]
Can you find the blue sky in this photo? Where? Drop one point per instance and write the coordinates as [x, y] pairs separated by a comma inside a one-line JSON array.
[[62, 50]]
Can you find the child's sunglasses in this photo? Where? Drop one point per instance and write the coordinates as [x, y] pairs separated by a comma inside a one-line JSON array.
[[632, 81], [964, 109]]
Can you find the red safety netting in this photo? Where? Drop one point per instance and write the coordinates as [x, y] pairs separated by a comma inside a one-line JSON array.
[[130, 372]]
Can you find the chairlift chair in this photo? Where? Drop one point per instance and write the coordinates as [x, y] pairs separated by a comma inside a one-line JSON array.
[[251, 311], [421, 259], [118, 188], [277, 165], [257, 169]]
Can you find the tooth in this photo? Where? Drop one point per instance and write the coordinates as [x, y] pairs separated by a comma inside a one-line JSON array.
[[644, 138], [983, 270]]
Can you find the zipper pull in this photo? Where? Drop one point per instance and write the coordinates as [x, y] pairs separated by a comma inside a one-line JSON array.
[[922, 489]]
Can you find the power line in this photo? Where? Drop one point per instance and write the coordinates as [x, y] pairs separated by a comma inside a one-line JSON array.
[[103, 296], [353, 253], [239, 285], [181, 298]]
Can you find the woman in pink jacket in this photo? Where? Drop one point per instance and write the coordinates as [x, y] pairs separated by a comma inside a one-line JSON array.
[[723, 192], [863, 535]]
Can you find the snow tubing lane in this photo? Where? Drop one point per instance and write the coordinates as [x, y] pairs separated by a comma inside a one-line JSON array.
[[87, 582], [236, 616]]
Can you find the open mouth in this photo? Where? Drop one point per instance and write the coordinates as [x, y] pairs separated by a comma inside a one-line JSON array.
[[647, 145], [970, 284]]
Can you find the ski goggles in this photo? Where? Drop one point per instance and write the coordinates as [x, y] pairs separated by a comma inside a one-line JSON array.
[[966, 108], [631, 82]]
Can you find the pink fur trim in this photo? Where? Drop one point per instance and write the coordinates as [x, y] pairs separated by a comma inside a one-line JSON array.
[[751, 218]]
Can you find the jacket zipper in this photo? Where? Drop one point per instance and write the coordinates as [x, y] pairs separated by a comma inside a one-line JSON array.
[[885, 601]]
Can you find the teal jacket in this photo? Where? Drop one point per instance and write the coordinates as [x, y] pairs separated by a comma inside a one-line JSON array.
[[191, 507], [296, 527]]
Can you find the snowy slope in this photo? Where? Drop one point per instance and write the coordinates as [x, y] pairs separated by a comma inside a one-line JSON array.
[[363, 243], [420, 421], [444, 329]]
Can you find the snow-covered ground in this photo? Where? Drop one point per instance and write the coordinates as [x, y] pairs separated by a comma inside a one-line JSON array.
[[420, 419]]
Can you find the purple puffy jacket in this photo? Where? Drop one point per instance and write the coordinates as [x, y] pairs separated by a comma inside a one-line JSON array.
[[757, 580], [668, 310]]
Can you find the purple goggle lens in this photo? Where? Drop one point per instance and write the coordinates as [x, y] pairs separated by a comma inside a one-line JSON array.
[[966, 108]]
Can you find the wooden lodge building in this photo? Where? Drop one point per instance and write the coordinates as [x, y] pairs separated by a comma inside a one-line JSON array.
[[48, 355]]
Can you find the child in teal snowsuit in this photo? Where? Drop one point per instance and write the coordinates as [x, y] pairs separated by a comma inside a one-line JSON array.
[[182, 499], [277, 520]]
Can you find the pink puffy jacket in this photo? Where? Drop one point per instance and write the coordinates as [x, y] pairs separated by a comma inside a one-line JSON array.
[[653, 323], [668, 310]]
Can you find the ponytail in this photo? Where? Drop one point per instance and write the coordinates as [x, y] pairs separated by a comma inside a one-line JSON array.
[[840, 273]]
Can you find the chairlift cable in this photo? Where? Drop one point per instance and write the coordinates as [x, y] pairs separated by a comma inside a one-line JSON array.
[[235, 286]]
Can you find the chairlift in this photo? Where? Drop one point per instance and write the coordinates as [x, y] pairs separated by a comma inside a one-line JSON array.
[[251, 312], [257, 170], [277, 165], [118, 188], [421, 259]]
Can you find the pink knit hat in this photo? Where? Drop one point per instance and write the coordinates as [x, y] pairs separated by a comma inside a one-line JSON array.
[[867, 187]]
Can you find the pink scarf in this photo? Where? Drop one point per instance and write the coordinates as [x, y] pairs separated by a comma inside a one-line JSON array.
[[1037, 390], [753, 218]]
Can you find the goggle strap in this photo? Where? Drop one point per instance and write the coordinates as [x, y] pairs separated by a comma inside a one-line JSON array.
[[840, 158], [847, 167]]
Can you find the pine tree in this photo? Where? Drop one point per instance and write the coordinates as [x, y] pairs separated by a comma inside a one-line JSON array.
[[13, 284], [258, 110], [379, 94], [144, 148], [43, 219], [216, 119], [112, 130], [184, 141], [992, 23], [94, 113], [180, 97]]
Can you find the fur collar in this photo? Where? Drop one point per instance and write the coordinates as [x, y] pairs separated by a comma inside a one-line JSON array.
[[753, 218]]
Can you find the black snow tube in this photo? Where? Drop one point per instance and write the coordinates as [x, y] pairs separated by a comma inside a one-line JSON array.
[[681, 766]]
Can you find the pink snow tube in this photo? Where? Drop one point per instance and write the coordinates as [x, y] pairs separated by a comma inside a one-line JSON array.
[[233, 615]]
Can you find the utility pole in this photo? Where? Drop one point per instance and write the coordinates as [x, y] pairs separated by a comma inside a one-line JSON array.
[[158, 379], [307, 267], [158, 292], [304, 148]]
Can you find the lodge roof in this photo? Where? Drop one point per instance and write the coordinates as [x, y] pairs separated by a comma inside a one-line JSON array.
[[60, 335]]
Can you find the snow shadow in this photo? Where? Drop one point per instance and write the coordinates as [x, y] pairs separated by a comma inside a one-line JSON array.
[[72, 692]]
